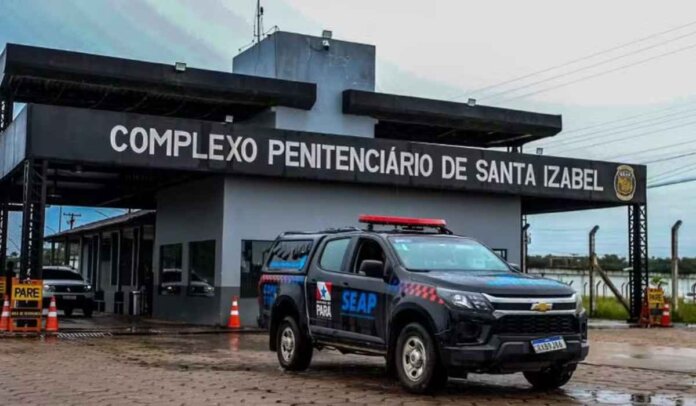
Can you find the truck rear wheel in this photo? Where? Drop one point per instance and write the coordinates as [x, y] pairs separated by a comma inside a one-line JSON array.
[[417, 363], [294, 348], [551, 378]]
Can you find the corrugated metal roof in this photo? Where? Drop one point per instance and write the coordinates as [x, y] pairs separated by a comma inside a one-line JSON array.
[[140, 216]]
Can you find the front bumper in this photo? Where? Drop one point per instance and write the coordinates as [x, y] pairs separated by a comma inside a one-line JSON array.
[[505, 354], [73, 301], [486, 343]]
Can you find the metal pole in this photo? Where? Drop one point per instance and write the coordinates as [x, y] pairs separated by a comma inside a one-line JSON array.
[[592, 258], [525, 242], [675, 265]]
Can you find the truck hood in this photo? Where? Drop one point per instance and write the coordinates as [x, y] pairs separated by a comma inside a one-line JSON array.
[[495, 283], [64, 282]]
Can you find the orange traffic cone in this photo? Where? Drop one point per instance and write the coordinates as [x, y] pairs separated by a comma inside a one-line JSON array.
[[666, 320], [52, 319], [233, 321], [5, 318]]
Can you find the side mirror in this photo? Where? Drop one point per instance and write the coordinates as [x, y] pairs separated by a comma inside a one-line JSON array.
[[372, 268], [515, 267]]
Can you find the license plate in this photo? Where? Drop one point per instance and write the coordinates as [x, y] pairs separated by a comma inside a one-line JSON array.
[[549, 344], [69, 297]]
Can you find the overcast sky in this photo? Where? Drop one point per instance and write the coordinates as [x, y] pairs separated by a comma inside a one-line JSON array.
[[600, 61]]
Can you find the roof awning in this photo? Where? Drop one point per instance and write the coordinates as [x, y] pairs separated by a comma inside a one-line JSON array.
[[446, 122], [40, 75]]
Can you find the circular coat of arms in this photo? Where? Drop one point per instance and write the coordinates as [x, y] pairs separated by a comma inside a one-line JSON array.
[[625, 182]]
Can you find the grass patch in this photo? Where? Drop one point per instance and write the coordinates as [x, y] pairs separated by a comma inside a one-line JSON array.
[[686, 313], [607, 308]]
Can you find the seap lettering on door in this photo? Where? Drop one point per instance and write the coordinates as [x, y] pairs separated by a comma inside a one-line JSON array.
[[358, 304]]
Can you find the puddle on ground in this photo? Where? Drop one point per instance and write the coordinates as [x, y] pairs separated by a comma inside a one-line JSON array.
[[639, 356], [621, 398]]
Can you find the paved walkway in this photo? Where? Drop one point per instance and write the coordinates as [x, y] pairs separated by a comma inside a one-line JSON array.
[[236, 369]]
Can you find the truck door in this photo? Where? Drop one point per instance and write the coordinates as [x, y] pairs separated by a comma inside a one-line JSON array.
[[365, 299], [324, 283]]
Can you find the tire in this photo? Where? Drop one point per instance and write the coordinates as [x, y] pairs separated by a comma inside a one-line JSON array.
[[293, 347], [68, 311], [417, 362], [87, 311], [551, 378]]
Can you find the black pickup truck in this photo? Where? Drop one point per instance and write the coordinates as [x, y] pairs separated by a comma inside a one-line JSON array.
[[432, 303]]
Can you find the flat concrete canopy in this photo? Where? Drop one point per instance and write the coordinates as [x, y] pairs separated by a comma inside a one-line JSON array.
[[40, 75], [446, 122]]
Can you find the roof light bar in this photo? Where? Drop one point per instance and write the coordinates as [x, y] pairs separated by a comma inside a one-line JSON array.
[[401, 221]]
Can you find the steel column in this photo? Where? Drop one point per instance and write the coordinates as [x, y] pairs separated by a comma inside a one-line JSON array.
[[4, 218], [33, 217], [638, 256]]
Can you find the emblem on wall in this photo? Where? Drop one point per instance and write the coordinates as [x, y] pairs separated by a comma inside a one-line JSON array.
[[625, 183]]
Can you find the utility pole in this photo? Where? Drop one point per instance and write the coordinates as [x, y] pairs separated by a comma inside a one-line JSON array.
[[592, 259], [72, 220], [675, 265], [258, 22]]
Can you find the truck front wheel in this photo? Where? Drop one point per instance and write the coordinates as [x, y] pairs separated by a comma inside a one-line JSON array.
[[551, 378], [417, 362], [293, 347]]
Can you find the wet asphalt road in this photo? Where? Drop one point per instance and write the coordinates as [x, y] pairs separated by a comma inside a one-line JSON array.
[[626, 367]]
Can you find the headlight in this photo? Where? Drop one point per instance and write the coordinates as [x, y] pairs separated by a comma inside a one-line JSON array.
[[49, 288], [465, 300], [579, 308], [88, 288]]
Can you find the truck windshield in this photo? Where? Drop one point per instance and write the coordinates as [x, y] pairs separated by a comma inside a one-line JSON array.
[[424, 253]]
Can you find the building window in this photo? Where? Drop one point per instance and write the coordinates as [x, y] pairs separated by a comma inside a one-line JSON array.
[[170, 269], [501, 252], [202, 268], [254, 253], [333, 255]]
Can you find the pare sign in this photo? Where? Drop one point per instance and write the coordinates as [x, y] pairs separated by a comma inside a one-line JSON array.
[[27, 291]]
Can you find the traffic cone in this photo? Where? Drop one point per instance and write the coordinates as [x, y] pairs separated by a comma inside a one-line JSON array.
[[666, 320], [5, 318], [233, 321], [52, 319]]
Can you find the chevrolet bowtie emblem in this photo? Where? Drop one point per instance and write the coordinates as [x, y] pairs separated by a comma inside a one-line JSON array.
[[542, 307]]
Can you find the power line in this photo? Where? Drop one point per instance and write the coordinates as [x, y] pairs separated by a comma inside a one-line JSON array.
[[546, 89], [633, 137], [573, 61], [601, 124], [630, 126], [669, 158], [672, 182], [678, 144], [594, 65], [672, 173]]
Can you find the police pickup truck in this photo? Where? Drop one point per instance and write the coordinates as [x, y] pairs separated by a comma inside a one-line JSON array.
[[432, 303]]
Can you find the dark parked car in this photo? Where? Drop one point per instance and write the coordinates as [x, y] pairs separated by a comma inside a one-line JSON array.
[[70, 289]]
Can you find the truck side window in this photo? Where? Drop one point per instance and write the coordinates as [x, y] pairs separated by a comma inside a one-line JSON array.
[[333, 254], [367, 249]]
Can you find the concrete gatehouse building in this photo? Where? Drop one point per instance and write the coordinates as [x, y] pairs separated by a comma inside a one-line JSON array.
[[294, 138]]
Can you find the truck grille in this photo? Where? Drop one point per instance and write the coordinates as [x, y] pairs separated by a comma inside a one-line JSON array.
[[541, 324], [69, 289]]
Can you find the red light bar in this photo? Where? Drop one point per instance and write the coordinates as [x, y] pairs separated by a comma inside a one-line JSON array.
[[401, 221]]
